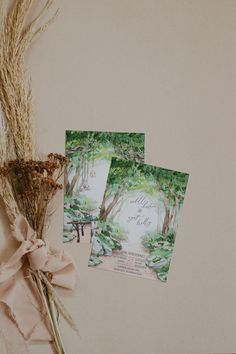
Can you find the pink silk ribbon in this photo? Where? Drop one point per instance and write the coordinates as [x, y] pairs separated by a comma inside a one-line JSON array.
[[23, 316]]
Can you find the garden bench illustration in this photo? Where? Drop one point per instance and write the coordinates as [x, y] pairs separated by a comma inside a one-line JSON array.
[[79, 228]]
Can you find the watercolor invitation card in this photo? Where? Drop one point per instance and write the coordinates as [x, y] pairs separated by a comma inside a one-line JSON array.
[[89, 154], [138, 220]]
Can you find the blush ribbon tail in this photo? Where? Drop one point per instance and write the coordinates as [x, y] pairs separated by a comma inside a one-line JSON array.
[[22, 310]]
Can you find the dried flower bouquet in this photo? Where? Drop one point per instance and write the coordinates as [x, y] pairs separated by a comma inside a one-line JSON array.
[[27, 187]]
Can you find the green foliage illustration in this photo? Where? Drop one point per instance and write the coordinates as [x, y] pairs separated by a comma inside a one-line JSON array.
[[126, 176], [160, 251], [83, 148], [106, 241]]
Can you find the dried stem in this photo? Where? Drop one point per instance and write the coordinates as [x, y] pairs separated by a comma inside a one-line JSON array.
[[45, 297], [53, 312], [59, 305]]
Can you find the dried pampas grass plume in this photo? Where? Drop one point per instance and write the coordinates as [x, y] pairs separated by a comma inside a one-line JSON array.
[[17, 32]]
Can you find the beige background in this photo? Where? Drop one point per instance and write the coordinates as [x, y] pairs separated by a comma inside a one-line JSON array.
[[166, 68]]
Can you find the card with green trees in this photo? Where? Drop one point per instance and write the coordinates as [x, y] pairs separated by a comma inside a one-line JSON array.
[[89, 156], [138, 219]]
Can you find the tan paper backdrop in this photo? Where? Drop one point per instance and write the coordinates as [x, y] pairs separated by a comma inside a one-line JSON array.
[[166, 68]]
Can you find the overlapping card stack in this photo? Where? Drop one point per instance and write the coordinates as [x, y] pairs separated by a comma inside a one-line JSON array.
[[128, 210]]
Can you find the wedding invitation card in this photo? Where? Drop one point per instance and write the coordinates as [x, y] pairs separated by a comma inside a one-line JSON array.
[[89, 156], [139, 215]]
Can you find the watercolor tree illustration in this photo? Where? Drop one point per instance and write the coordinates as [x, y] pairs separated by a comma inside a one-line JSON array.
[[89, 155], [166, 187], [124, 177], [171, 187]]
